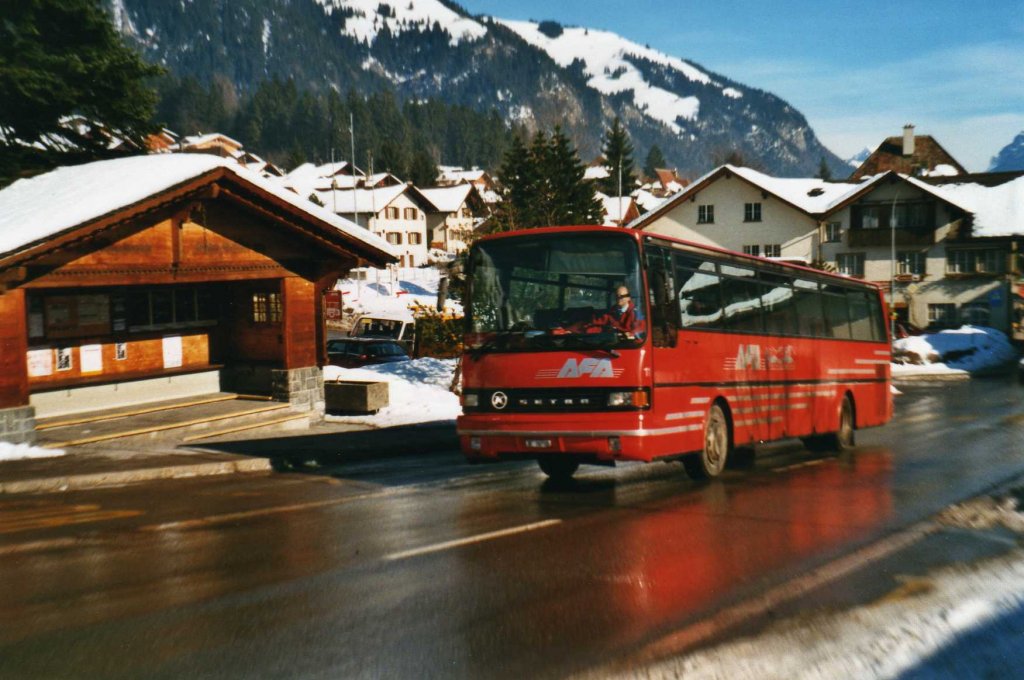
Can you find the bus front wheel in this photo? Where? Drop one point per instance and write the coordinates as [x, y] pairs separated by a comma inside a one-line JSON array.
[[711, 460], [558, 468]]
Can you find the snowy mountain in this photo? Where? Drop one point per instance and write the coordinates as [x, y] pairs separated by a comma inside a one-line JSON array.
[[858, 158], [1010, 157], [533, 74]]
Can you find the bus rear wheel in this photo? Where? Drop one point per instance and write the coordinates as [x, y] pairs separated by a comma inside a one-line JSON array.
[[558, 468], [711, 460], [842, 439]]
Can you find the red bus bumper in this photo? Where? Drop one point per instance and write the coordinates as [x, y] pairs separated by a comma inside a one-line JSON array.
[[604, 437]]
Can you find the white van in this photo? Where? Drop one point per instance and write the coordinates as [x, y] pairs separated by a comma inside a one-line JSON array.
[[401, 329]]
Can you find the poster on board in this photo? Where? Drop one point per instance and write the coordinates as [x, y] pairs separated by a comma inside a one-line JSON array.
[[40, 362], [172, 351], [91, 358]]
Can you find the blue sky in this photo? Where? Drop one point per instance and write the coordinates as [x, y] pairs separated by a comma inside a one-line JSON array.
[[858, 71]]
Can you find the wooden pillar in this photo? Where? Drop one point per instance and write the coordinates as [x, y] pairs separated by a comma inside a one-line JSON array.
[[298, 326], [13, 349]]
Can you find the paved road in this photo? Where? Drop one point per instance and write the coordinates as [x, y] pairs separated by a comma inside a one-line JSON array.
[[420, 566]]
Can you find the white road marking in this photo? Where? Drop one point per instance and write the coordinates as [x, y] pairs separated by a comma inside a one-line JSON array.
[[447, 545]]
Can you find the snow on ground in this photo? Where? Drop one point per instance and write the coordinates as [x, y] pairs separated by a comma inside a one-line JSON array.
[[968, 349], [418, 391], [393, 292], [22, 451], [963, 621]]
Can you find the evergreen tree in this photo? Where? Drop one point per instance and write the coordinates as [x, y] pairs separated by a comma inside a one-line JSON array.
[[515, 176], [618, 155], [422, 169], [61, 58], [572, 199], [655, 160], [823, 170]]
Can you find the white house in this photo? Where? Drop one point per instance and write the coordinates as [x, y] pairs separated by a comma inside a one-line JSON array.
[[458, 209]]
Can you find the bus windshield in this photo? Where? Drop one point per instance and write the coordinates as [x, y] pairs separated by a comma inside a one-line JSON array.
[[555, 291]]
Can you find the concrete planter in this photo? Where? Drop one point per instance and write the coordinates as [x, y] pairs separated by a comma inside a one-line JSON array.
[[353, 396]]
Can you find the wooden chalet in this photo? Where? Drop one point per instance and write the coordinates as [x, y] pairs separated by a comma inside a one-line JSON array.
[[154, 277]]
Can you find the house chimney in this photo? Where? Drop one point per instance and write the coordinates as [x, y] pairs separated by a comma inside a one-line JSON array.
[[908, 140]]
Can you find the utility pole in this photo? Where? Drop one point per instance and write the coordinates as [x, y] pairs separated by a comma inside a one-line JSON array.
[[355, 191]]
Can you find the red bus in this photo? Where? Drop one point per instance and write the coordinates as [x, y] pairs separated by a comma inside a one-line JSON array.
[[725, 351]]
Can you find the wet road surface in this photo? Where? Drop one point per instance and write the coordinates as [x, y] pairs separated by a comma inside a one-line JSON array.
[[421, 566]]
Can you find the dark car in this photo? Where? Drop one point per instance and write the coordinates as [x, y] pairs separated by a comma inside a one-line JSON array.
[[354, 352]]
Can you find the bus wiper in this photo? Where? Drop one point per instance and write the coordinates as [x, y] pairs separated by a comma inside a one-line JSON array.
[[600, 341], [493, 342]]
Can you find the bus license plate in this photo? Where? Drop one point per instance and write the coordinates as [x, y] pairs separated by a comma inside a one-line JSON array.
[[538, 443]]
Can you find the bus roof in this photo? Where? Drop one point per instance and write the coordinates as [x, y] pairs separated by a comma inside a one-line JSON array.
[[642, 235]]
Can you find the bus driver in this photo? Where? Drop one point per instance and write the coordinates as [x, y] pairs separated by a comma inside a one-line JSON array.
[[624, 315]]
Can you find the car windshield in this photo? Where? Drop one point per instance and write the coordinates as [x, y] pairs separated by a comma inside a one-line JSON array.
[[384, 349], [555, 291]]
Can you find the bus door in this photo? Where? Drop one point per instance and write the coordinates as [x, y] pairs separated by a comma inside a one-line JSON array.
[[753, 412], [667, 368]]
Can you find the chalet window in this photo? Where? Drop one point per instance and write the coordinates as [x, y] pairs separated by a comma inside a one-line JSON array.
[[915, 216], [266, 308], [752, 250], [415, 238], [833, 232], [943, 314], [990, 261], [391, 213], [773, 250], [705, 214], [751, 212], [394, 237], [411, 214], [909, 262], [850, 264], [870, 217]]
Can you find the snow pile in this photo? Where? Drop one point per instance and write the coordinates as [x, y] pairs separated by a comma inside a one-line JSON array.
[[418, 391], [968, 348], [23, 451], [395, 292]]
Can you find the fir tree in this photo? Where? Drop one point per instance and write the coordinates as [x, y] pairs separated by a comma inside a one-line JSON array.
[[618, 155], [516, 179], [823, 170], [655, 160], [572, 199], [61, 58]]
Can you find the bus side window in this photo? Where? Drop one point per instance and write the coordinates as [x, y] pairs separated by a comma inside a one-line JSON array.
[[808, 309], [837, 317], [862, 322], [664, 314], [779, 304], [700, 302]]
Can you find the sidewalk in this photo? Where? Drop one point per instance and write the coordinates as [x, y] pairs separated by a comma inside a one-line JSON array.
[[83, 467]]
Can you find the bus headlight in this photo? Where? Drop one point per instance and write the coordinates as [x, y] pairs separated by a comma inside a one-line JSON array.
[[632, 398], [471, 400]]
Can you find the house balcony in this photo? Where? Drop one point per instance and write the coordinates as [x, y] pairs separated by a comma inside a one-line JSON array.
[[883, 237]]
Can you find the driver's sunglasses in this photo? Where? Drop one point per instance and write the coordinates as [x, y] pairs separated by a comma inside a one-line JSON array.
[[626, 295]]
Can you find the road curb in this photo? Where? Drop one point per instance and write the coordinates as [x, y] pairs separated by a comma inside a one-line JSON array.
[[116, 477]]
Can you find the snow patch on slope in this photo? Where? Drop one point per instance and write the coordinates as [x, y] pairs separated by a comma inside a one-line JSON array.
[[604, 55], [403, 15]]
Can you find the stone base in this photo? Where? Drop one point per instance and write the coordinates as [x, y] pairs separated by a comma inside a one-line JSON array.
[[18, 425], [303, 388]]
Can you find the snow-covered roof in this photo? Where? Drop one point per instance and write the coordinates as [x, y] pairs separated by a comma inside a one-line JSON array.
[[362, 201], [615, 208], [595, 172], [199, 140], [646, 200], [812, 195], [448, 199], [457, 174], [998, 210], [35, 209]]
